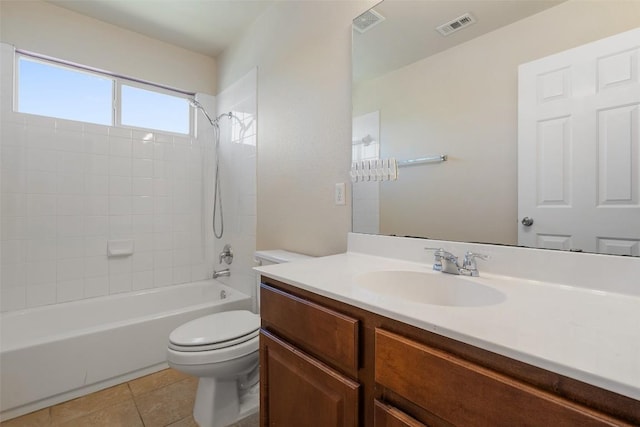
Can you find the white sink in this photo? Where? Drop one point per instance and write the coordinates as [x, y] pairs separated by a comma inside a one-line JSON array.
[[430, 288]]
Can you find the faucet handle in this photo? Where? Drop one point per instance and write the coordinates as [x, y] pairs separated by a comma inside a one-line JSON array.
[[469, 262], [437, 265]]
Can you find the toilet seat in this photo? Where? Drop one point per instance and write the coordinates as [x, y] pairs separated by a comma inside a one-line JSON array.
[[215, 331]]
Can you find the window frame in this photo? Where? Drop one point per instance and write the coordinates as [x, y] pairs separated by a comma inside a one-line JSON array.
[[116, 96]]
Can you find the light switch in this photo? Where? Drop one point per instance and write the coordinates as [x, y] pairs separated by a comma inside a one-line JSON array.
[[340, 196]]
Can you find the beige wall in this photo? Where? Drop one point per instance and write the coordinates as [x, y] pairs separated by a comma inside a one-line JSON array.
[[303, 53], [51, 30], [466, 107]]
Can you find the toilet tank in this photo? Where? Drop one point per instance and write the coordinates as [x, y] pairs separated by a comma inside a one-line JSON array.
[[277, 256], [274, 256]]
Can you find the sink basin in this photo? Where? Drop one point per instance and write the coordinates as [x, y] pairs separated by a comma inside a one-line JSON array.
[[430, 288]]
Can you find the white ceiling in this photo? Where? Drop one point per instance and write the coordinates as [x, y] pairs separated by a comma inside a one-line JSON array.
[[204, 26]]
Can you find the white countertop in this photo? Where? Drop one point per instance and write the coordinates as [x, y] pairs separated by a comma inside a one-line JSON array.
[[589, 335]]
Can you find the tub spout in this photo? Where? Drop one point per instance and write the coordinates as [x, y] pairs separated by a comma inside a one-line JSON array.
[[222, 273]]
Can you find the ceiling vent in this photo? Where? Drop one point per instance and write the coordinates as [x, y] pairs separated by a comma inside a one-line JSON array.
[[367, 20], [456, 24]]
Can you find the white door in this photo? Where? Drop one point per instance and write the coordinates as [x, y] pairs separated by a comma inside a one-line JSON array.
[[579, 150]]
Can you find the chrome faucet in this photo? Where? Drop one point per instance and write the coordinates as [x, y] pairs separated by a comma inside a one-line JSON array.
[[226, 255], [222, 273], [447, 262]]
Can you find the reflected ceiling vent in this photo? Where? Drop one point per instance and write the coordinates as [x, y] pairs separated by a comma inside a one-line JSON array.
[[456, 24], [367, 20]]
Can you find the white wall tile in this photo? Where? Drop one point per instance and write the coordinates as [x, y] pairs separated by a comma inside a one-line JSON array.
[[120, 264], [142, 280], [162, 277], [97, 164], [96, 286], [14, 275], [120, 205], [142, 186], [181, 274], [96, 185], [95, 245], [42, 227], [120, 283], [142, 261], [162, 259], [142, 224], [71, 163], [142, 205], [69, 140], [40, 182], [96, 143], [70, 247], [120, 166], [143, 242], [13, 204], [41, 272], [13, 298], [42, 249], [13, 252], [96, 225], [143, 149], [13, 181], [120, 147], [71, 290], [143, 168], [70, 225], [120, 185], [96, 266], [96, 205], [71, 184], [69, 269], [39, 295], [70, 204], [120, 226]]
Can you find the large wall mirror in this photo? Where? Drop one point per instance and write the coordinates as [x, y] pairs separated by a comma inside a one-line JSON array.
[[534, 104]]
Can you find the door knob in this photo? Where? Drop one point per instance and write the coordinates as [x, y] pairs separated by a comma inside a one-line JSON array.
[[527, 222]]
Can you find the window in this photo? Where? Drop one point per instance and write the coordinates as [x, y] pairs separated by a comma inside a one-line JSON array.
[[49, 88], [140, 109]]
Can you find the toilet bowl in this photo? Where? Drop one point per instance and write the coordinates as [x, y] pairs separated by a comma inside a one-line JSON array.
[[222, 350]]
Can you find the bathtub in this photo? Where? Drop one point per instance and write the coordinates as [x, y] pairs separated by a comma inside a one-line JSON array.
[[59, 352]]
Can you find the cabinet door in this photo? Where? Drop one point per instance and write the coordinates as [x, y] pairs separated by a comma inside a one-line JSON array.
[[388, 416], [297, 390]]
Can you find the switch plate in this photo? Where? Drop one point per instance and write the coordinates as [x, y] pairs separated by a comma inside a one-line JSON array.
[[340, 196]]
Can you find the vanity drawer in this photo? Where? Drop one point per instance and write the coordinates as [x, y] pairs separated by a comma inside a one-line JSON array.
[[387, 416], [463, 393], [326, 334]]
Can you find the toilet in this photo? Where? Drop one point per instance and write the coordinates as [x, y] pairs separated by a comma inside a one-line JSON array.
[[221, 349]]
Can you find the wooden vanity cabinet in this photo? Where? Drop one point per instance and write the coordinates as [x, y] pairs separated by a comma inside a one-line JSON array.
[[308, 362], [326, 363]]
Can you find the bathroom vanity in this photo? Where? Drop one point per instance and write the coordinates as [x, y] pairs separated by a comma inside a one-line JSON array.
[[336, 353]]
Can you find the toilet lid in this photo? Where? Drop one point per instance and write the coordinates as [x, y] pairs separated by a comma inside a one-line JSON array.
[[219, 329]]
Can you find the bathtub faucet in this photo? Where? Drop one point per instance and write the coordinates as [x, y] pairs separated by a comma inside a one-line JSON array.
[[222, 273]]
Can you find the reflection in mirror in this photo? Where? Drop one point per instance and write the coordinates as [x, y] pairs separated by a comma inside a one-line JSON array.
[[534, 103]]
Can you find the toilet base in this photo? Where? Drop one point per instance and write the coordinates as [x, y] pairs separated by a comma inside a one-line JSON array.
[[223, 395]]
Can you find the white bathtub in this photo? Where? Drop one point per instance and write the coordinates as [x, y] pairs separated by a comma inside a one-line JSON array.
[[55, 353]]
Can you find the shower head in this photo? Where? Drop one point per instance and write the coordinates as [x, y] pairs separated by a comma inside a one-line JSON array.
[[196, 104], [214, 122]]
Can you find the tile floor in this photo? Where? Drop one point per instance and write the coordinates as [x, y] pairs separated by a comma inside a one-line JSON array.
[[163, 399]]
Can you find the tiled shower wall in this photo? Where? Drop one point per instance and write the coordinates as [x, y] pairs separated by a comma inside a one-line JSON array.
[[238, 172], [67, 188]]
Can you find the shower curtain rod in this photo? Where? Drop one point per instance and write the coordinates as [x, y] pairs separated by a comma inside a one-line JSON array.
[[99, 71]]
